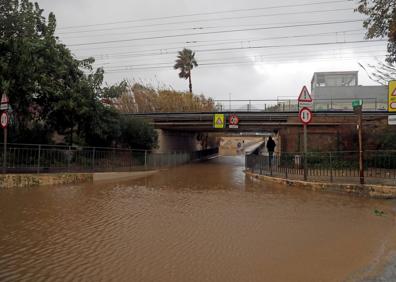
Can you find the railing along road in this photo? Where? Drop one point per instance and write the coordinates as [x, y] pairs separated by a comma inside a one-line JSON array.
[[379, 166], [29, 158]]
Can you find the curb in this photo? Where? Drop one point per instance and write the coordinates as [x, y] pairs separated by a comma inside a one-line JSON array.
[[367, 190]]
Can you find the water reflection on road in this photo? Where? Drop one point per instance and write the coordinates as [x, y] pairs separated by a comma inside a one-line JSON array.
[[199, 222]]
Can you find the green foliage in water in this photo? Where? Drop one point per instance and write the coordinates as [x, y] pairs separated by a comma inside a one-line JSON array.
[[379, 212]]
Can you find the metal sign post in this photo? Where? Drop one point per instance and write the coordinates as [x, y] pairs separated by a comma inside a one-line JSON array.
[[361, 164], [4, 105], [305, 105], [305, 152], [5, 150], [358, 107], [4, 123], [305, 117]]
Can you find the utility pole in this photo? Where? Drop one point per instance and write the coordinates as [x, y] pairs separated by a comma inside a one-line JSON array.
[[358, 108], [361, 164]]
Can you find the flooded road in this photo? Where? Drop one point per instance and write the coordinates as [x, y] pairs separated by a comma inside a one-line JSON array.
[[199, 222]]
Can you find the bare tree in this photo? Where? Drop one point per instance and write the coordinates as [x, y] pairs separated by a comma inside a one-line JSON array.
[[381, 73], [381, 22]]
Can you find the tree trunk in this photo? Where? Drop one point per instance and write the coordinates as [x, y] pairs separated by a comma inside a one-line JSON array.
[[189, 82]]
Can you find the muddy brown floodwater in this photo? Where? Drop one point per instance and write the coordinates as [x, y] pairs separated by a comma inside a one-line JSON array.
[[199, 222]]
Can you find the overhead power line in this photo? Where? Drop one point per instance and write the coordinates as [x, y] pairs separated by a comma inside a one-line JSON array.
[[292, 45], [226, 42], [238, 63], [206, 20], [256, 59], [192, 43], [217, 50], [207, 13], [214, 32]]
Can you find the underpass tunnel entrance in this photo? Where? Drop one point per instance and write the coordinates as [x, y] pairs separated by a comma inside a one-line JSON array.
[[236, 143], [185, 141], [246, 143]]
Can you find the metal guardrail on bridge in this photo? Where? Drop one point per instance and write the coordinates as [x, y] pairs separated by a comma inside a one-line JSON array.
[[31, 158], [291, 105], [379, 166], [270, 106]]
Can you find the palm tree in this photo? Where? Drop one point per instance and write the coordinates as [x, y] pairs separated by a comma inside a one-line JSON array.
[[185, 63]]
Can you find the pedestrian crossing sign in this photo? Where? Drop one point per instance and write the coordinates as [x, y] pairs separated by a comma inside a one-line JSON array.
[[219, 121], [392, 96]]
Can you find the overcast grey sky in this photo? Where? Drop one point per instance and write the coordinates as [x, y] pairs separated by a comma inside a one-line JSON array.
[[251, 49]]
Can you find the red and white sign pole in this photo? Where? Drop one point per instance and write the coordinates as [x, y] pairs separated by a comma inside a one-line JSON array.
[[305, 103], [4, 119]]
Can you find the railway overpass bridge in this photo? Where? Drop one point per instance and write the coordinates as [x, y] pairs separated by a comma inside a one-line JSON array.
[[328, 130]]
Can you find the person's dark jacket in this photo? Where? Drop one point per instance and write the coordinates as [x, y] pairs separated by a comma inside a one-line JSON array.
[[271, 145]]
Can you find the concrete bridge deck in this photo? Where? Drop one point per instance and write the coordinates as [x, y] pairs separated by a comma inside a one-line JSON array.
[[252, 121]]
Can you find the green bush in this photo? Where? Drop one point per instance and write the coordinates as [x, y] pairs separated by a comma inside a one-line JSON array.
[[138, 134]]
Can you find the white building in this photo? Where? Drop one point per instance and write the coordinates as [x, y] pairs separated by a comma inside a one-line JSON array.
[[336, 90]]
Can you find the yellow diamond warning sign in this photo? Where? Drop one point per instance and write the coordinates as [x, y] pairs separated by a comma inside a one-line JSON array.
[[392, 96], [218, 121]]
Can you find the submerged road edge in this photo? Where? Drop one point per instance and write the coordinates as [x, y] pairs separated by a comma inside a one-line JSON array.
[[32, 180], [367, 190], [35, 180]]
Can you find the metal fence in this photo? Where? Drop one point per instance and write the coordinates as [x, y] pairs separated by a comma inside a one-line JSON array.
[[379, 166], [291, 105], [29, 158]]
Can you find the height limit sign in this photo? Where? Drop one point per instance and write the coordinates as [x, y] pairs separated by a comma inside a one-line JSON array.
[[305, 116]]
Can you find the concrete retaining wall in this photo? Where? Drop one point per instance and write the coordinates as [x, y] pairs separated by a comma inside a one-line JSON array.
[[374, 191], [29, 180]]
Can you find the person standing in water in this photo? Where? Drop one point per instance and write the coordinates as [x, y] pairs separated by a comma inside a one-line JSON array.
[[271, 148]]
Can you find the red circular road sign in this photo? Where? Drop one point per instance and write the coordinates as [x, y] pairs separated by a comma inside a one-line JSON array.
[[234, 120], [305, 115], [4, 119]]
